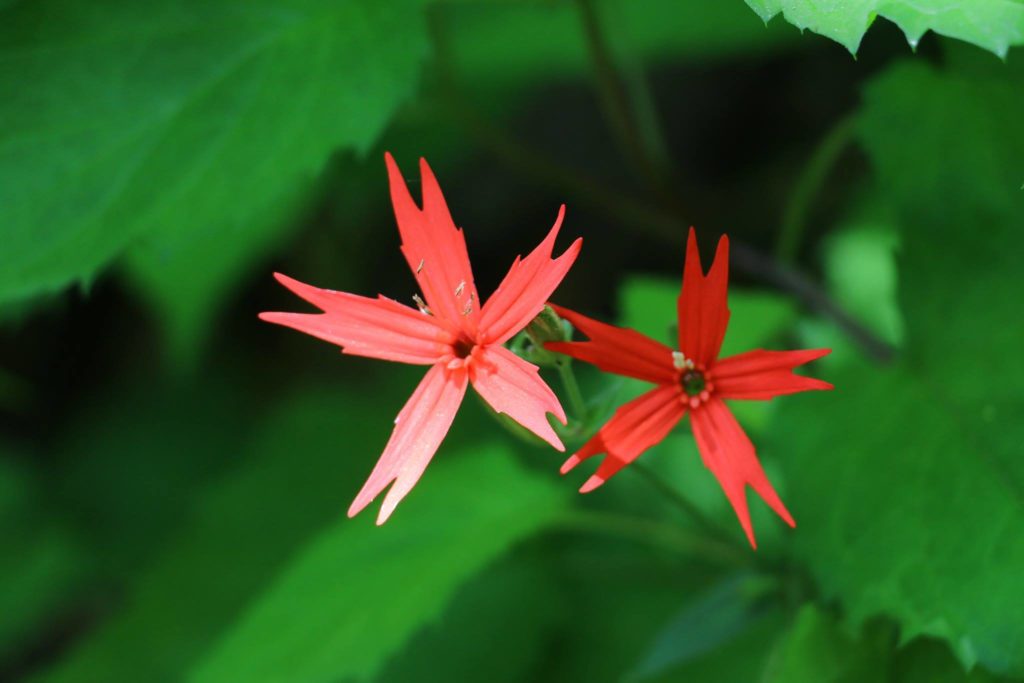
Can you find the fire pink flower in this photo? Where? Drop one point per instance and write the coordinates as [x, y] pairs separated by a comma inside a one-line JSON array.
[[451, 332], [691, 380]]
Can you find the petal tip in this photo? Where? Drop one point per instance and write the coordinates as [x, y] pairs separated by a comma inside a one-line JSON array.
[[569, 464], [591, 484]]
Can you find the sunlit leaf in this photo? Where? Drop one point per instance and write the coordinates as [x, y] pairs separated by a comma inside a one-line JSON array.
[[992, 24]]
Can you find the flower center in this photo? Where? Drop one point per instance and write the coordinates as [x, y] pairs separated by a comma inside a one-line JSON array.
[[693, 382], [463, 347]]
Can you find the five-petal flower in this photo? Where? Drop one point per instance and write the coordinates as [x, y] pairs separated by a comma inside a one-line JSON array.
[[689, 380], [451, 332]]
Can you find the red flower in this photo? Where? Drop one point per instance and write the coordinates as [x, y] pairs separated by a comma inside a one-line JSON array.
[[451, 332], [692, 380]]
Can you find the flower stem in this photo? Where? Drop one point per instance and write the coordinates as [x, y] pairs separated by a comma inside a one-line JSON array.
[[683, 503], [808, 186], [655, 534], [572, 388]]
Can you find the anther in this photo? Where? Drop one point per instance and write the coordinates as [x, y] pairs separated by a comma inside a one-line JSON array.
[[419, 268], [420, 304], [680, 361], [469, 305], [460, 288]]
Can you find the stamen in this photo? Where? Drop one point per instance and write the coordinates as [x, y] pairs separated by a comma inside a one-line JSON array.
[[420, 304], [469, 305], [681, 362], [419, 268], [460, 288]]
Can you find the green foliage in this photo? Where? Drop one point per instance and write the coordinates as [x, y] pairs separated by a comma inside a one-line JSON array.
[[704, 625], [906, 481], [507, 614], [995, 25], [815, 650], [164, 128], [42, 562], [236, 539], [194, 529], [486, 39], [302, 628]]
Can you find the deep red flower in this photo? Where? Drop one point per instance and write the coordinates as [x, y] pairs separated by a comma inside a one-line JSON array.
[[451, 332], [692, 380]]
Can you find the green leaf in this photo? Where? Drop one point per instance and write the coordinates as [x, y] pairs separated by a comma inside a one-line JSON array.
[[194, 127], [42, 563], [815, 650], [705, 624], [929, 661], [238, 536], [508, 614], [860, 263], [992, 24], [906, 482], [126, 471], [357, 592], [498, 44]]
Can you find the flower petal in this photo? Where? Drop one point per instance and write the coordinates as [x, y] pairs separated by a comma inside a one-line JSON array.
[[618, 350], [635, 427], [375, 328], [728, 453], [434, 248], [760, 375], [703, 306], [419, 430], [526, 287], [514, 387]]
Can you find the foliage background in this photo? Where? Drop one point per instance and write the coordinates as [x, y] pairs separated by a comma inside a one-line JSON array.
[[174, 474]]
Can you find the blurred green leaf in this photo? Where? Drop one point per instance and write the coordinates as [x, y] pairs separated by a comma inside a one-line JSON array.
[[741, 660], [502, 43], [129, 465], [860, 264], [705, 624], [357, 592], [167, 123], [815, 650], [299, 474], [42, 563], [907, 480], [500, 622], [617, 602], [992, 24], [930, 661]]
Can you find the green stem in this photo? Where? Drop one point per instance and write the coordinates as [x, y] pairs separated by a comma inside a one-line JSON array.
[[654, 534], [808, 186], [683, 503], [576, 402]]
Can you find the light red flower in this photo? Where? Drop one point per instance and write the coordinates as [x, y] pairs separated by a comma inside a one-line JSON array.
[[691, 380], [460, 339]]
